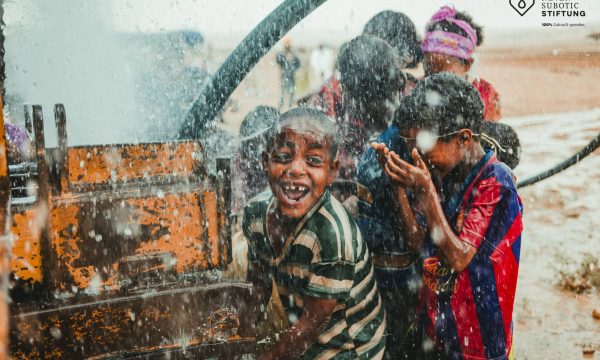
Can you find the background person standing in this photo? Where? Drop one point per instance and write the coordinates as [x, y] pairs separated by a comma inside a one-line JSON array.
[[289, 64]]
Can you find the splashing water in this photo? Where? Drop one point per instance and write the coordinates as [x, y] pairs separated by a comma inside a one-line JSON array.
[[116, 87]]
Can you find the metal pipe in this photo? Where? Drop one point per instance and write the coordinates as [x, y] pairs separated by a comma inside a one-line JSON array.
[[577, 157], [200, 117]]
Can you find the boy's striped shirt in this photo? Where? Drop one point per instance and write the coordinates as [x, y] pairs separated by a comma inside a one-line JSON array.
[[325, 258]]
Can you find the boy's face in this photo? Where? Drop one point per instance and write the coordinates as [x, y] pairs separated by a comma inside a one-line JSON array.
[[300, 167], [440, 154]]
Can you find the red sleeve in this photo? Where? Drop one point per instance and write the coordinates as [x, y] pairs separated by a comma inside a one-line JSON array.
[[328, 100], [491, 100], [480, 211], [331, 98]]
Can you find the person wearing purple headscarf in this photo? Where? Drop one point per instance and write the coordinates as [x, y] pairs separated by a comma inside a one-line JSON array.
[[449, 46]]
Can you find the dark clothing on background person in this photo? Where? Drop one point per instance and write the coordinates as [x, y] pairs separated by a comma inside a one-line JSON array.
[[397, 268], [289, 64], [328, 99]]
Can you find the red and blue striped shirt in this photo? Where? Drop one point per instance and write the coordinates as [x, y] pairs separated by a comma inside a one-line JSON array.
[[469, 313]]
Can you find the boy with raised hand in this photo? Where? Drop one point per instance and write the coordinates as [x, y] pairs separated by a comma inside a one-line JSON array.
[[472, 219], [302, 240]]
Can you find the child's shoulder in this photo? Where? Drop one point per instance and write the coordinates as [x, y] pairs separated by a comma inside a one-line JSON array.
[[482, 84], [331, 222], [498, 173], [257, 206]]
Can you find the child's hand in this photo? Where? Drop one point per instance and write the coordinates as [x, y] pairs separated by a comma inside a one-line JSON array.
[[381, 151], [407, 175]]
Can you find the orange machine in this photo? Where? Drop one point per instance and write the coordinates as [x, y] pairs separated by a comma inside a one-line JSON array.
[[4, 241], [116, 250]]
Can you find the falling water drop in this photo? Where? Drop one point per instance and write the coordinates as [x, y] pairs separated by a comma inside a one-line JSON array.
[[522, 4]]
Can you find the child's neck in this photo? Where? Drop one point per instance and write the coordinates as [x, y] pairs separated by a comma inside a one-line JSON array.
[[463, 168], [280, 228]]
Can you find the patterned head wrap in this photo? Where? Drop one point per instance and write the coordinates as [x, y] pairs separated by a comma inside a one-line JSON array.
[[450, 43]]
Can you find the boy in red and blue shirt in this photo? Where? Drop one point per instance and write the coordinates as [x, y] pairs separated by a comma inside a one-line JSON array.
[[470, 233]]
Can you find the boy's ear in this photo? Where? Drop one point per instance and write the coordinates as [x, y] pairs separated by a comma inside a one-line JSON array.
[[265, 160], [465, 136], [335, 165]]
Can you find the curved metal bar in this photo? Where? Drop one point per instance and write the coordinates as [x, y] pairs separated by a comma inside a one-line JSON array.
[[588, 149], [217, 90]]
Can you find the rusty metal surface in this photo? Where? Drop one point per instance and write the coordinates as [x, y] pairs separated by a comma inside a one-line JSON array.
[[4, 231], [120, 327], [96, 166], [230, 350], [92, 237], [113, 257], [26, 261]]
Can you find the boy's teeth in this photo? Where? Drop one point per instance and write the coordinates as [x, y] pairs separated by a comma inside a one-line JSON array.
[[295, 188]]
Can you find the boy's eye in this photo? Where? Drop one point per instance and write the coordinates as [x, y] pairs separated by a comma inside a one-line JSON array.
[[282, 157], [314, 160]]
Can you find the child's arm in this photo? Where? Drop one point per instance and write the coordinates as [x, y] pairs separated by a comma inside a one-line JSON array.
[[411, 229], [458, 254], [305, 332]]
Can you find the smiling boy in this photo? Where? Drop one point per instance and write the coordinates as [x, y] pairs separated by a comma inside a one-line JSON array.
[[302, 239], [472, 218]]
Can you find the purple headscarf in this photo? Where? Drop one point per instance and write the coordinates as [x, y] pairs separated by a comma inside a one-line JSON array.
[[449, 43]]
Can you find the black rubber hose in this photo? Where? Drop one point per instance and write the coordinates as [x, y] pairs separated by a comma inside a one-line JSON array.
[[588, 149], [246, 55]]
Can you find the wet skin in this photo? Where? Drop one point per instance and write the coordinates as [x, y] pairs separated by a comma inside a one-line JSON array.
[[459, 151], [442, 158], [434, 63], [300, 167]]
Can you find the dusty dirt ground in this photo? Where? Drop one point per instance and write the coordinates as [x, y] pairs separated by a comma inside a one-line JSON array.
[[561, 226], [551, 95]]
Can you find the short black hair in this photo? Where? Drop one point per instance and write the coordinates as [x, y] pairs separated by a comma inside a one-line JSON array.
[[399, 31], [326, 127], [442, 103], [369, 69], [448, 26], [504, 140]]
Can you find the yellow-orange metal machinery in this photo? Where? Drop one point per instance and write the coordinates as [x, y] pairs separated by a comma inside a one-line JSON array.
[[115, 253], [4, 241]]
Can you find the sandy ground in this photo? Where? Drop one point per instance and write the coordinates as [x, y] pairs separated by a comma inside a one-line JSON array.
[[551, 95], [561, 226]]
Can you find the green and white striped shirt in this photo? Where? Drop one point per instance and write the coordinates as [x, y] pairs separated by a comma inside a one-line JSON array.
[[325, 258]]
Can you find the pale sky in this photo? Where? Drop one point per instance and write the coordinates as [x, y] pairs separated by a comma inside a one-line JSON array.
[[237, 17]]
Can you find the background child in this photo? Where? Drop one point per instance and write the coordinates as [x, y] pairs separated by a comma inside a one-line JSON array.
[[371, 83], [248, 176], [472, 220], [449, 45], [248, 179], [289, 63], [398, 30], [302, 239]]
